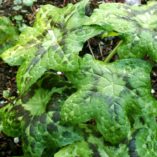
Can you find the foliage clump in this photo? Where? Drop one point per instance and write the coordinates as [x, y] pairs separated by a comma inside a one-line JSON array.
[[93, 108]]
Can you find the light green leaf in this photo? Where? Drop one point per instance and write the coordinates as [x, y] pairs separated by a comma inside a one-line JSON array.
[[10, 122], [45, 134], [76, 149], [29, 2], [17, 54], [36, 119], [119, 151], [53, 43], [37, 104], [92, 147], [136, 26], [143, 143], [112, 94], [8, 34]]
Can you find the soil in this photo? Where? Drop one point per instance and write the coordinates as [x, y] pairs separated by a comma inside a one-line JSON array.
[[95, 46], [7, 80], [9, 147]]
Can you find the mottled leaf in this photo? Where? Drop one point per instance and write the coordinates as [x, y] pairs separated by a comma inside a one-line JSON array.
[[143, 143], [36, 119], [8, 34], [93, 147], [90, 108], [112, 94], [53, 43], [135, 25]]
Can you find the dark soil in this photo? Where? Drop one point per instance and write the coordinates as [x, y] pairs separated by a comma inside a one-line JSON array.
[[8, 147], [95, 46], [7, 80], [100, 48], [154, 81]]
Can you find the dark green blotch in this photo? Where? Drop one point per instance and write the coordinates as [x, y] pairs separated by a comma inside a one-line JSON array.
[[132, 145], [26, 97], [128, 85], [125, 78], [62, 42], [52, 128], [87, 68], [116, 112], [109, 100], [20, 111], [132, 149], [138, 93], [59, 25], [42, 118], [52, 106], [55, 47], [98, 72], [94, 149], [35, 120], [142, 120], [25, 139], [56, 117], [32, 130], [66, 134], [41, 50], [41, 36], [88, 10], [31, 42], [94, 89], [65, 62], [32, 146], [27, 117]]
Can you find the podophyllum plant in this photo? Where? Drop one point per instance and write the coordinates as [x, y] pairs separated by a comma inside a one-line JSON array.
[[95, 108]]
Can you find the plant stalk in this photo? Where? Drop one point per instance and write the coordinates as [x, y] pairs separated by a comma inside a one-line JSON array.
[[113, 52]]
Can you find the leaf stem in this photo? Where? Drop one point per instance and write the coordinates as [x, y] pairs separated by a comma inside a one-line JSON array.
[[113, 52], [90, 48]]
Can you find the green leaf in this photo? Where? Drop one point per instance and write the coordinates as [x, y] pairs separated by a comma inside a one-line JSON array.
[[119, 151], [13, 114], [111, 94], [29, 3], [10, 120], [53, 43], [135, 25], [8, 34], [44, 133], [16, 55], [40, 131], [76, 149], [92, 147], [37, 104], [143, 143], [36, 119]]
